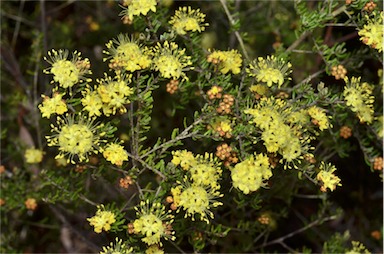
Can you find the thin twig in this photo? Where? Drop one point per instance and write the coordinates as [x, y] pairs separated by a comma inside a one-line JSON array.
[[223, 3], [17, 26]]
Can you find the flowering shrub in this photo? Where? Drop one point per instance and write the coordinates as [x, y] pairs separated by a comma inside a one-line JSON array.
[[171, 137]]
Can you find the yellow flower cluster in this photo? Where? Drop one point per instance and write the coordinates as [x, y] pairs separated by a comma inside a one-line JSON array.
[[75, 138], [67, 72], [187, 19], [359, 97], [54, 105], [127, 54], [110, 96], [153, 223], [115, 153], [372, 32], [138, 7], [102, 220], [171, 61], [154, 249], [319, 117], [250, 174], [226, 60], [33, 155], [119, 248], [327, 177], [198, 192], [269, 70], [278, 136]]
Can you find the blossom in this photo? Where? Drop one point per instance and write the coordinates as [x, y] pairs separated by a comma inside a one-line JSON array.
[[226, 60], [138, 7], [372, 32], [127, 54], [67, 72], [360, 99], [92, 102], [357, 248], [76, 137], [269, 70], [319, 117], [187, 19], [250, 174], [102, 220], [119, 248], [115, 153], [154, 249], [54, 105], [327, 177], [170, 61], [198, 199], [153, 223], [33, 155]]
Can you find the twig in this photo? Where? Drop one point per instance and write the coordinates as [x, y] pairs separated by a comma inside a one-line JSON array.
[[223, 3], [44, 25], [280, 240], [17, 26]]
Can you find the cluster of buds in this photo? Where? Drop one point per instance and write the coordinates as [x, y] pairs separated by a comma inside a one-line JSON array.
[[376, 234], [348, 1], [226, 104], [131, 228], [172, 86], [225, 153], [2, 169], [345, 132], [273, 160], [211, 59], [310, 158], [369, 7], [338, 72], [125, 182], [264, 219], [30, 204], [83, 64], [378, 163], [224, 129], [215, 92], [282, 95], [170, 200], [80, 168], [2, 202]]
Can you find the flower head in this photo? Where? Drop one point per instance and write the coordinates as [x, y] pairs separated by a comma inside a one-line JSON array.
[[30, 204], [187, 19], [67, 72], [102, 220], [170, 61], [226, 60], [359, 97], [54, 105], [153, 223], [76, 137], [154, 249], [115, 153], [372, 32], [319, 117], [250, 174], [117, 248], [269, 70], [33, 155], [198, 199], [138, 7], [127, 54], [327, 178]]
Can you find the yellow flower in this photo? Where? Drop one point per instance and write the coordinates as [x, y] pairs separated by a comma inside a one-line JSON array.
[[186, 19], [54, 105], [117, 248], [226, 60], [102, 220], [153, 223], [327, 178], [138, 7], [357, 248], [196, 199], [171, 61], [91, 102], [359, 97], [76, 138], [154, 249], [372, 32], [116, 154], [269, 70], [67, 72], [33, 155], [249, 175], [259, 89], [319, 117], [127, 54]]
